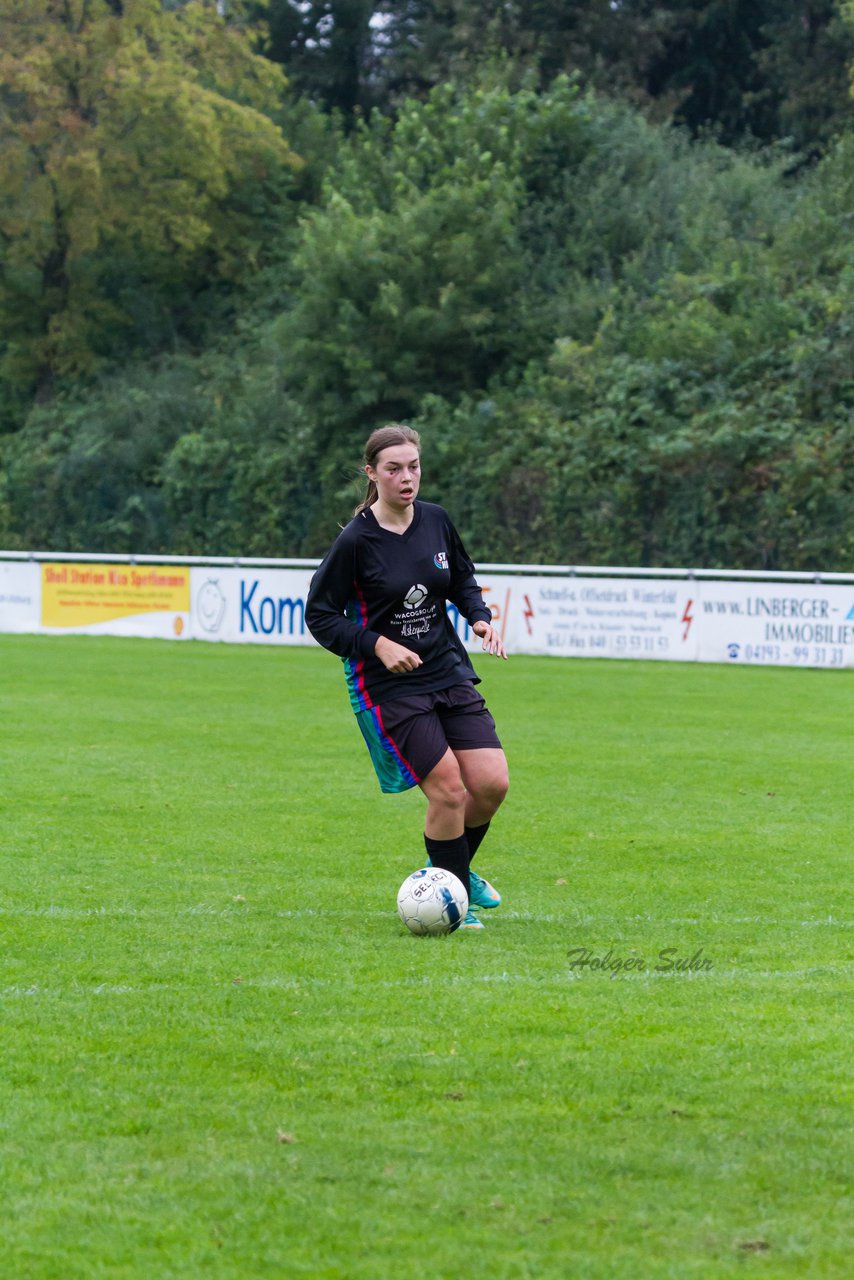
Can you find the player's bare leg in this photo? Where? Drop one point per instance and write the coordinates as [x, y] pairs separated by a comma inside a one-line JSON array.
[[447, 799], [486, 779]]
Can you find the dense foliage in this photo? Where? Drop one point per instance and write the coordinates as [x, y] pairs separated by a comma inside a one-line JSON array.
[[766, 69], [136, 162], [622, 343]]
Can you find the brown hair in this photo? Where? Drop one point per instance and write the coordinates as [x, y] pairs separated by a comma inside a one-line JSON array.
[[384, 438]]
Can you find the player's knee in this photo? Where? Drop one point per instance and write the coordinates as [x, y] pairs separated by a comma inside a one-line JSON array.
[[445, 786], [452, 794], [492, 789]]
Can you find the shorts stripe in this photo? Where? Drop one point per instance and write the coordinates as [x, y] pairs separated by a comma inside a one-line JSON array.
[[354, 668], [360, 699], [392, 769], [406, 767]]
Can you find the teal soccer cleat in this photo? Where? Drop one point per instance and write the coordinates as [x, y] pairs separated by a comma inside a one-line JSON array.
[[471, 921], [482, 892]]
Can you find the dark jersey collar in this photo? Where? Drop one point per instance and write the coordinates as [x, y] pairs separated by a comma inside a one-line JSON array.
[[389, 533]]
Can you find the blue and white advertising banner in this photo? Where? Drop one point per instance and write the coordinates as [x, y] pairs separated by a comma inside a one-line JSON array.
[[20, 595], [588, 614], [777, 624], [249, 606]]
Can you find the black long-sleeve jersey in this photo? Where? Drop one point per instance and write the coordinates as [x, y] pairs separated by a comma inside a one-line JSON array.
[[377, 583]]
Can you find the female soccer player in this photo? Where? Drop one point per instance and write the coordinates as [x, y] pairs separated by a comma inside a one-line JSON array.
[[379, 600]]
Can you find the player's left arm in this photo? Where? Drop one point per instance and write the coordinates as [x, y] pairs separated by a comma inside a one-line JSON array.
[[492, 642], [465, 593]]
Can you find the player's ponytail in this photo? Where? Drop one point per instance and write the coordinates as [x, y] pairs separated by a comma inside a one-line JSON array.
[[369, 499], [384, 438]]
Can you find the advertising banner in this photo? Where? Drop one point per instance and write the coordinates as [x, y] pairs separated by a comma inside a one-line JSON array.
[[588, 614], [249, 606], [595, 617], [19, 595], [777, 624], [116, 599]]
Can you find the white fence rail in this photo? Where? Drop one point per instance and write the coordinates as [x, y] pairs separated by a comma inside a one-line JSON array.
[[697, 615]]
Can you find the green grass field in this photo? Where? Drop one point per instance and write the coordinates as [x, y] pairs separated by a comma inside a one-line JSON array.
[[223, 1056]]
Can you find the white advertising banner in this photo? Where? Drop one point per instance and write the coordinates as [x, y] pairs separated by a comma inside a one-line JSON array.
[[20, 595], [249, 606], [588, 614], [595, 617], [777, 624]]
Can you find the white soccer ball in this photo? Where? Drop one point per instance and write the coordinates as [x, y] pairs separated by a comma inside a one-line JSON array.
[[432, 901]]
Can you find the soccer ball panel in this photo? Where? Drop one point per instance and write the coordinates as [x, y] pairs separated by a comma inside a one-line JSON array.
[[432, 901]]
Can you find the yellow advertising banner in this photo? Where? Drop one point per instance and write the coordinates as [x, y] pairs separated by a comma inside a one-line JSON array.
[[82, 595]]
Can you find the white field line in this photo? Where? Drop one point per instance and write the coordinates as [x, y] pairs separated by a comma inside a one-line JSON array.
[[534, 917], [304, 985]]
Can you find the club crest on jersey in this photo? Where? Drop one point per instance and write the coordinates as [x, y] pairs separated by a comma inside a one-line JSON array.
[[440, 560], [415, 596]]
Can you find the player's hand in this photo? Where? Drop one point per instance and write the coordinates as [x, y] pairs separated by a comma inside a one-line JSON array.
[[492, 641], [396, 657]]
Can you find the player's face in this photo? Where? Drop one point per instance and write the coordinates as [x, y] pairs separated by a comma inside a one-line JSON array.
[[397, 475]]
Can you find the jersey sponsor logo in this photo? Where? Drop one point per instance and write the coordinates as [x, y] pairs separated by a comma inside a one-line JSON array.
[[440, 560], [415, 596]]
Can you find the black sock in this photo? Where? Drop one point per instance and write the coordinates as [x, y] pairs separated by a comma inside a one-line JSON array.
[[474, 836], [453, 855]]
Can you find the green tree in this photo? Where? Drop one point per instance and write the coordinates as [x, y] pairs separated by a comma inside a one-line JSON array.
[[327, 49], [623, 347], [136, 160], [420, 43], [706, 418], [767, 69], [805, 66], [761, 69], [406, 272], [185, 454]]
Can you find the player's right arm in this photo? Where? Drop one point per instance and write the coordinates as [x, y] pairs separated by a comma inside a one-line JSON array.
[[396, 657], [333, 612], [336, 613]]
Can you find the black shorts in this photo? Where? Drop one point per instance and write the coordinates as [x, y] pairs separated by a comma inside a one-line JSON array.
[[407, 737]]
